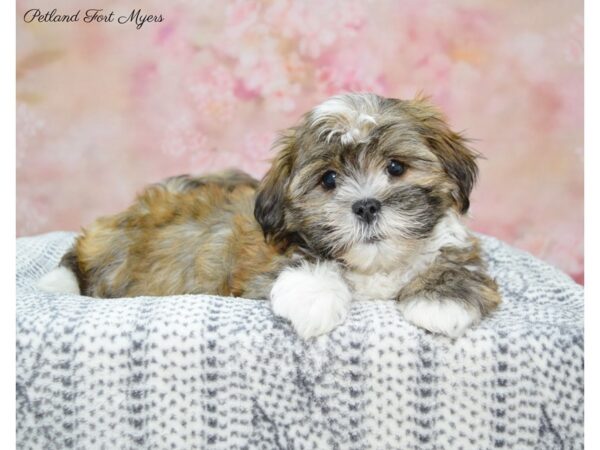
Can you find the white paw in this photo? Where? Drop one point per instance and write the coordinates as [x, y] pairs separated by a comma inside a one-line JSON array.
[[60, 280], [443, 316], [315, 298]]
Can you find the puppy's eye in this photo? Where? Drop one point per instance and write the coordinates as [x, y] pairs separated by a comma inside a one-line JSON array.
[[395, 168], [328, 180]]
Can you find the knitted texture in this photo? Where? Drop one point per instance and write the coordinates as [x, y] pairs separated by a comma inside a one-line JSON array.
[[194, 372]]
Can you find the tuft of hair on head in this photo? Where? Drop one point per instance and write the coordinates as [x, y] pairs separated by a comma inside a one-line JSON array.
[[349, 116], [451, 148]]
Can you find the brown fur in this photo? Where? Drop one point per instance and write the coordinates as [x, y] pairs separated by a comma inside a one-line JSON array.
[[449, 278], [450, 148], [413, 131], [226, 234], [186, 235]]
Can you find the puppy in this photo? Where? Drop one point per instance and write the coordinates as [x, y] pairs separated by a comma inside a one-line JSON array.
[[363, 201]]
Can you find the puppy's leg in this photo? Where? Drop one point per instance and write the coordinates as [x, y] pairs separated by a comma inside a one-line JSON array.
[[313, 296], [452, 295], [66, 278]]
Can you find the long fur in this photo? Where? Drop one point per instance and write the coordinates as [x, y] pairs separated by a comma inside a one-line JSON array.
[[228, 234]]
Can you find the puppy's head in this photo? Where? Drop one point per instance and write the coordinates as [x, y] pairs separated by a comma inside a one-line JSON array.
[[361, 169]]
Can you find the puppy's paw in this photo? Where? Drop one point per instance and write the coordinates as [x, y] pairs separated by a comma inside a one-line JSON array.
[[315, 298], [443, 316], [59, 280]]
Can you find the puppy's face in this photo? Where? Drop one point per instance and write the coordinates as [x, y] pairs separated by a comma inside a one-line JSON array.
[[362, 170]]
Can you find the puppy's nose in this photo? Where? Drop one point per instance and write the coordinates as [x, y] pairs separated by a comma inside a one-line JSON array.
[[366, 209]]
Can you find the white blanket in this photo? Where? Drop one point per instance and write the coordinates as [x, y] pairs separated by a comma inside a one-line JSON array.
[[193, 372]]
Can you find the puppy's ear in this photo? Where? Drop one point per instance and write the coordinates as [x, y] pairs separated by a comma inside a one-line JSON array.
[[269, 209], [457, 159]]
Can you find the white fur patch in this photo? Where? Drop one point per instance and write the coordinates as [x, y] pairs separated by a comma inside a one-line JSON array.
[[60, 280], [374, 286], [381, 269], [314, 297], [361, 186], [349, 116], [443, 316], [449, 232]]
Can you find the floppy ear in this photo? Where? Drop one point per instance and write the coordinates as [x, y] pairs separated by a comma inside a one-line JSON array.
[[457, 159], [269, 209]]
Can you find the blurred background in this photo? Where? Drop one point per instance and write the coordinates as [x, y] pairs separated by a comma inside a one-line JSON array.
[[105, 108]]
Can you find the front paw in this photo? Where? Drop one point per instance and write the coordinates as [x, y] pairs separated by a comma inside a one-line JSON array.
[[315, 299], [444, 316]]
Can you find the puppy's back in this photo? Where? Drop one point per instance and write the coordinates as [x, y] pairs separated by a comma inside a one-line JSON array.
[[186, 235]]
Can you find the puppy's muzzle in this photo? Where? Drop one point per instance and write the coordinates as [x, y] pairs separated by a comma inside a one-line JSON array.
[[367, 209]]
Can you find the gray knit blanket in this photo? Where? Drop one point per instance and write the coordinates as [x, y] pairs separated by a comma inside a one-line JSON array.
[[195, 372]]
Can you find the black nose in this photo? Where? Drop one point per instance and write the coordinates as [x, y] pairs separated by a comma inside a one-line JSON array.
[[366, 209]]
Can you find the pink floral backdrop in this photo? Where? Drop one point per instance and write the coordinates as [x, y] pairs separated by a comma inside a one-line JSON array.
[[105, 108]]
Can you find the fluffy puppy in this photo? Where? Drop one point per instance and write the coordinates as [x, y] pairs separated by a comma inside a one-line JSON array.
[[363, 201]]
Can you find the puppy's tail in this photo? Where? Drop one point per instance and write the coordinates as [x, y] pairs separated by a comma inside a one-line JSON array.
[[64, 279]]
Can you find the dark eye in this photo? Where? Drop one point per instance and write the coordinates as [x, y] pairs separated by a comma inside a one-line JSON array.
[[395, 168], [328, 179]]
